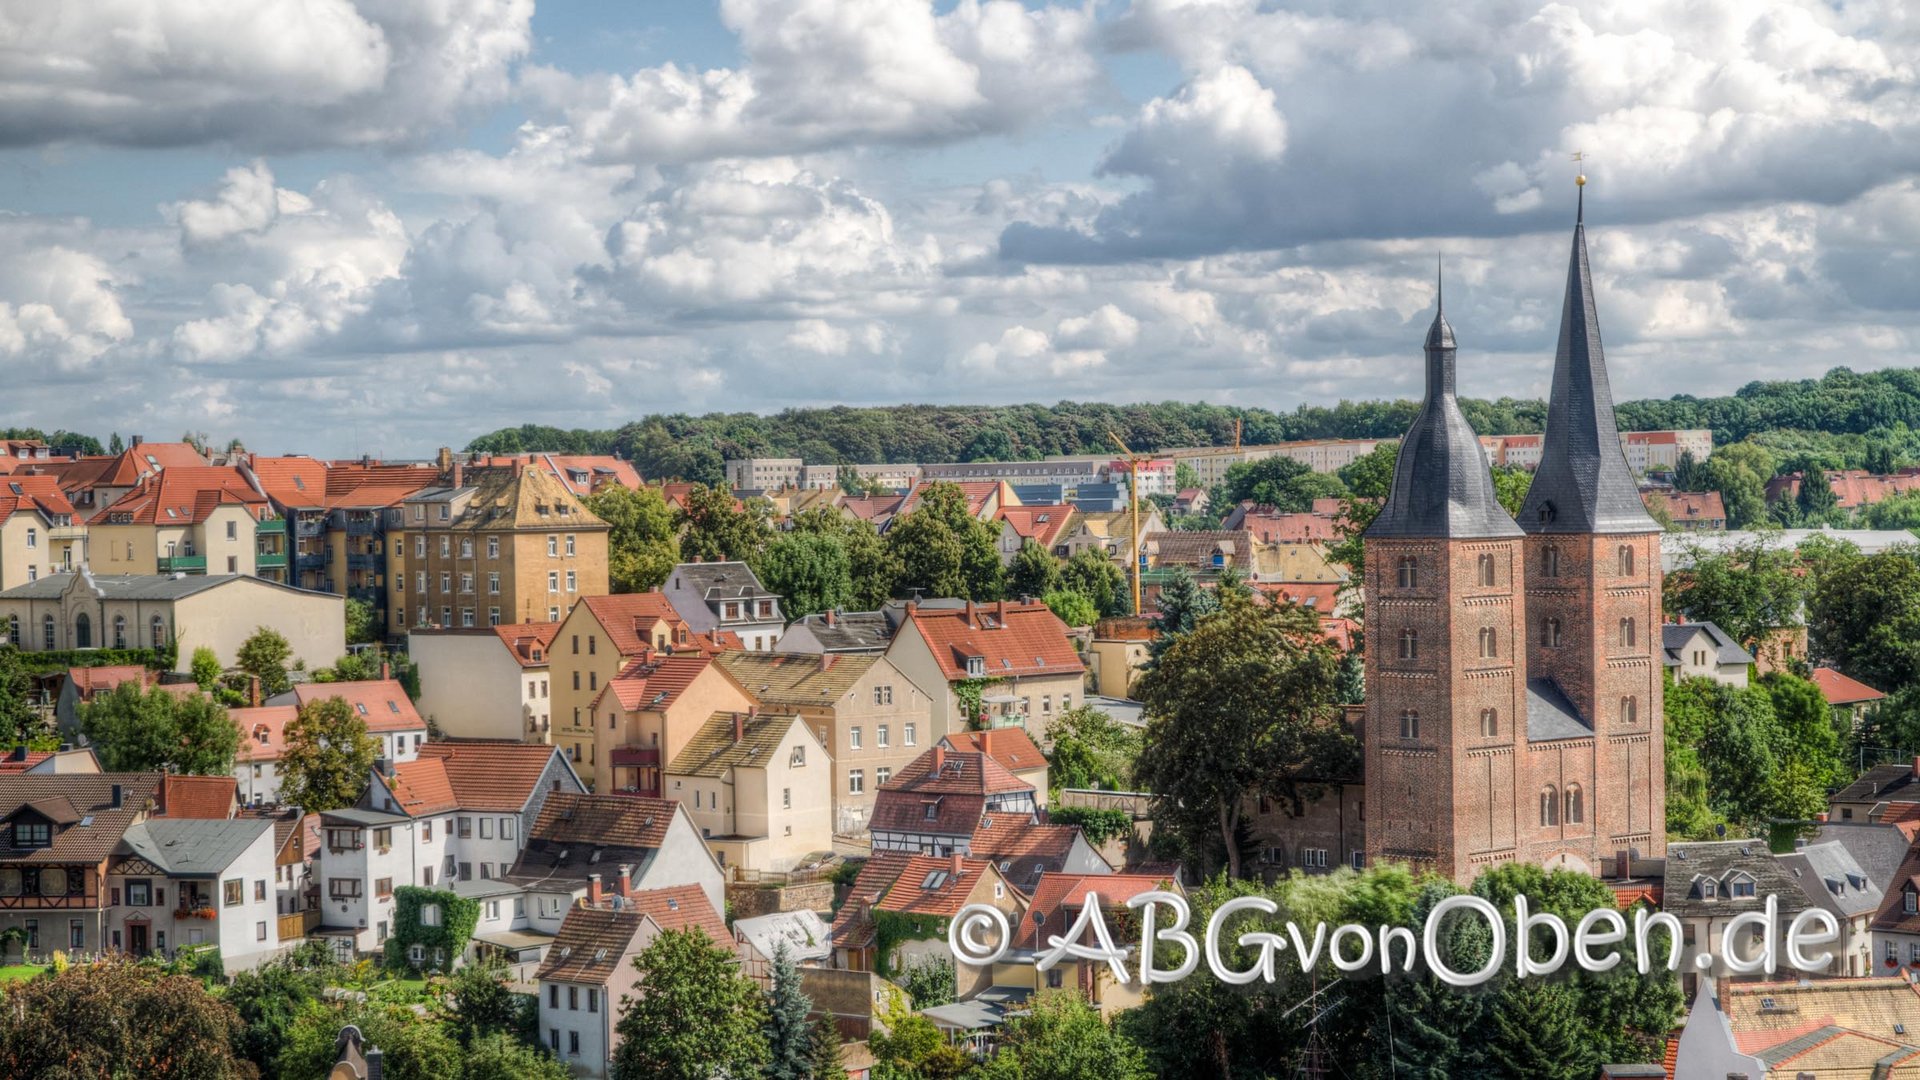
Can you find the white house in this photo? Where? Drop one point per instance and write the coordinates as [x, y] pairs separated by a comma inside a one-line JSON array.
[[384, 705], [256, 764], [726, 597], [582, 837], [490, 682], [1703, 650], [183, 882]]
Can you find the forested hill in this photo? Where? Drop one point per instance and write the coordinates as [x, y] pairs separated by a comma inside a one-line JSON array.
[[1841, 403]]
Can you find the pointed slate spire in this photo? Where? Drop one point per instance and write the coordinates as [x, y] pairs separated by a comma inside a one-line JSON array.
[[1442, 487], [1583, 483]]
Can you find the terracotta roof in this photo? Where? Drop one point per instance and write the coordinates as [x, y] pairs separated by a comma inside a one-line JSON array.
[[87, 795], [184, 495], [529, 643], [978, 492], [582, 474], [1058, 899], [1044, 525], [796, 680], [591, 940], [929, 885], [294, 480], [955, 772], [957, 795], [875, 508], [23, 762], [421, 787], [497, 776], [1772, 1018], [1279, 527], [1840, 689], [211, 797], [714, 749], [1852, 488], [653, 682], [126, 469], [1196, 548], [263, 731], [1685, 506], [612, 820], [90, 681], [1022, 850], [1012, 747], [852, 927], [630, 618], [382, 703], [1893, 916], [1011, 639], [1127, 628], [34, 494]]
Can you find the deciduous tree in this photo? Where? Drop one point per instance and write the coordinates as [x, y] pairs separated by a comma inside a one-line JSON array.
[[715, 527], [264, 656], [117, 1019], [695, 1017], [133, 729], [642, 547], [810, 570], [327, 756], [1033, 572]]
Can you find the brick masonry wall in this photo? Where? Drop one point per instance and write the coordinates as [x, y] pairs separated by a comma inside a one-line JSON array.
[[750, 901]]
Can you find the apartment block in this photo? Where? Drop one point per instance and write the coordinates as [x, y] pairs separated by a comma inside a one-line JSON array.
[[599, 637], [189, 520]]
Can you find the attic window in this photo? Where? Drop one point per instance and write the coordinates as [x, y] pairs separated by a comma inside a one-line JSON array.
[[300, 483], [976, 666], [393, 706], [673, 903], [1768, 1003], [934, 880], [361, 706], [16, 489], [599, 954]]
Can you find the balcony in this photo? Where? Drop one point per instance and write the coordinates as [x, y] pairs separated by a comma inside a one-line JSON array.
[[271, 524], [67, 532], [310, 527], [271, 560], [298, 925], [183, 564]]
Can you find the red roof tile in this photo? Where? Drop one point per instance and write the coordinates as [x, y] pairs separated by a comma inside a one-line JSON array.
[[1021, 849], [1840, 689], [1011, 639], [421, 787], [591, 939], [1012, 747], [630, 619], [1684, 506], [12, 764], [928, 885], [182, 496], [530, 643], [211, 797], [498, 776], [607, 820], [1292, 528], [263, 731], [978, 493], [40, 495], [90, 681], [382, 703], [1043, 525], [1059, 897], [956, 794], [653, 682]]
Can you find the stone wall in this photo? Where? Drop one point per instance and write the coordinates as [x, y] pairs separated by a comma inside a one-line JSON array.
[[750, 901]]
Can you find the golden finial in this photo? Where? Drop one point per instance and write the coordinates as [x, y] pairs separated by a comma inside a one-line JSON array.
[[1579, 180]]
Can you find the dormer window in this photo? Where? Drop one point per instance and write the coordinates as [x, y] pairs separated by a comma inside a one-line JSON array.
[[32, 834], [1910, 901], [1709, 889], [976, 667], [1740, 887]]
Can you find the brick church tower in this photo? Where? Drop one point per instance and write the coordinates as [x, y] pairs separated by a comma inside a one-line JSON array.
[[1513, 692]]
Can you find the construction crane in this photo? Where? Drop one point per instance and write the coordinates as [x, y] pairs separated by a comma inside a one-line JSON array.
[[1236, 434], [1134, 461]]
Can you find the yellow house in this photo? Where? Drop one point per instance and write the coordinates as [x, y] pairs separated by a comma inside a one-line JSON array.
[[599, 637], [192, 520], [758, 788], [38, 533], [645, 716]]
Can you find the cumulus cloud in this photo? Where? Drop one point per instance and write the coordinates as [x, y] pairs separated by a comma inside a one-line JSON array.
[[271, 74], [63, 309]]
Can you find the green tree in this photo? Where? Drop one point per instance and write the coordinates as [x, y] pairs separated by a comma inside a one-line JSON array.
[[642, 546], [716, 527], [929, 981], [788, 1035], [1815, 500], [1864, 616], [206, 668], [133, 729], [484, 1002], [696, 1016], [326, 758], [1900, 510], [1091, 750], [1510, 484], [115, 446], [411, 1048], [1096, 577], [1880, 458], [268, 999], [1063, 1038], [824, 1061], [363, 623], [20, 722], [1739, 472], [912, 1048], [810, 570], [1243, 703], [1279, 482], [943, 550], [499, 1056], [264, 656], [874, 569], [1182, 603], [1033, 572], [1071, 607], [117, 1019], [1185, 477], [1748, 591], [1686, 473]]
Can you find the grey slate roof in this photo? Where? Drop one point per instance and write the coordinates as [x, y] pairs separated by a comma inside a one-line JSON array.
[[1583, 483], [189, 847], [1688, 863], [721, 581], [135, 586], [1879, 849], [1442, 486], [851, 631], [1832, 879], [1727, 652], [1550, 715]]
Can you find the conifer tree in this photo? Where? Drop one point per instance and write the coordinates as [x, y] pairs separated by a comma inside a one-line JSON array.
[[789, 1039]]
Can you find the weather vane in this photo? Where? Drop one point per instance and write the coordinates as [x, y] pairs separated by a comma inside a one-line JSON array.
[[1580, 179]]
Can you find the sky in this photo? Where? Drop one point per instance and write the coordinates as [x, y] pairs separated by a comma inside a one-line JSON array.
[[383, 226]]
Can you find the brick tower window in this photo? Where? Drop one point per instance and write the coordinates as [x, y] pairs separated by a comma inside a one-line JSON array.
[[1627, 633], [1489, 641], [1409, 572], [1626, 561], [1486, 571], [1490, 722], [1576, 807], [1409, 644], [1549, 806], [1550, 633], [1410, 724], [1629, 710], [1550, 561]]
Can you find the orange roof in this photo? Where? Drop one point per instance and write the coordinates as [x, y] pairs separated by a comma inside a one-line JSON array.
[[653, 682], [1041, 524], [181, 496], [89, 681], [210, 797], [421, 787], [33, 494], [263, 731], [1059, 897], [23, 761], [1685, 506], [1011, 639], [382, 703], [293, 480], [1840, 689], [630, 619], [306, 483], [528, 642], [1012, 747], [682, 907], [135, 462], [500, 776], [1321, 596], [976, 491], [931, 886], [581, 474]]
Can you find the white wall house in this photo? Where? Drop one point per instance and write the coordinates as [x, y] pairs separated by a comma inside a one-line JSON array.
[[182, 882], [489, 682]]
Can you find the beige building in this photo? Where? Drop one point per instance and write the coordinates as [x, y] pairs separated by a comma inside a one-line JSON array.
[[38, 533], [193, 520], [491, 683], [869, 715], [1018, 655], [645, 716], [1118, 653], [515, 546], [759, 788], [215, 611], [593, 643]]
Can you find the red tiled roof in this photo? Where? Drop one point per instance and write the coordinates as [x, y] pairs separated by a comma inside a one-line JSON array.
[[33, 494], [1321, 596], [1852, 488], [1012, 747], [630, 618], [1840, 689], [654, 682], [1022, 849], [976, 491], [608, 820], [182, 495], [874, 507], [530, 643], [588, 947], [957, 795], [1043, 525], [263, 731], [929, 886], [682, 907], [149, 457], [421, 787], [581, 474], [1058, 899], [1012, 639], [90, 681], [210, 797], [1685, 506], [12, 764], [498, 776], [382, 703], [294, 480]]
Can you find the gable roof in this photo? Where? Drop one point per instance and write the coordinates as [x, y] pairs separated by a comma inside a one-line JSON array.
[[492, 776], [1830, 877], [89, 682], [263, 731], [717, 581], [1012, 747], [160, 587], [1684, 506], [629, 618], [1689, 864], [591, 940], [1674, 637], [1042, 524], [652, 681], [28, 494], [528, 643], [1059, 897], [1841, 689], [930, 885], [1023, 850], [382, 703], [182, 496], [1011, 639], [848, 631], [1887, 783], [714, 749], [612, 820], [208, 797], [98, 825], [191, 846], [421, 787], [796, 680]]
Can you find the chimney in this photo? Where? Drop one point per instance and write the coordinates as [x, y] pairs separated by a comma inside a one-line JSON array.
[[118, 796], [19, 752], [956, 863], [739, 726], [459, 474], [386, 671], [445, 459], [137, 440], [972, 615], [913, 608], [593, 890], [376, 1064], [939, 758], [1623, 864], [1916, 766], [827, 616], [827, 660], [624, 883], [1000, 611], [383, 766], [253, 690]]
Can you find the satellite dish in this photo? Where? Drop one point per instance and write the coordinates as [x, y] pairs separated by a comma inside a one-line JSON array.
[[1720, 830]]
